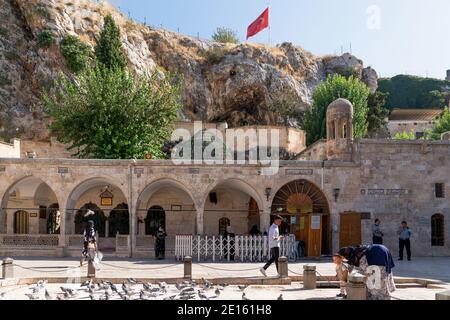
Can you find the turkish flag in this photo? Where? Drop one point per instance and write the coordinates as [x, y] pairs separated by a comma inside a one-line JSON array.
[[259, 24]]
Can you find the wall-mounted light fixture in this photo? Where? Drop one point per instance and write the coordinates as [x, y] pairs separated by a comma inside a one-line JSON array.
[[336, 192], [268, 192]]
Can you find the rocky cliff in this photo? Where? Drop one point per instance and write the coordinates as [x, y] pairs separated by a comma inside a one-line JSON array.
[[233, 83]]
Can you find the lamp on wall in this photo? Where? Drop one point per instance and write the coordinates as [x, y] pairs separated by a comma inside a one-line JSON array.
[[106, 197], [336, 192], [268, 192]]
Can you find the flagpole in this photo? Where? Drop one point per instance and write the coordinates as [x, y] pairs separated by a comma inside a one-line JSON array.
[[268, 5]]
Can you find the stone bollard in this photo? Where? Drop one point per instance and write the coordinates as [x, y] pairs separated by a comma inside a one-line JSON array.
[[188, 267], [443, 295], [356, 288], [309, 277], [8, 268], [91, 268], [283, 267]]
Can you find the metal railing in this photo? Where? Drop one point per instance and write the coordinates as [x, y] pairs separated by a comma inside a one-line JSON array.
[[238, 248]]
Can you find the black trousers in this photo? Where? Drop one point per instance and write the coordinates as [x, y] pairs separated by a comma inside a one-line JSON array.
[[402, 244], [377, 240], [275, 254], [160, 249]]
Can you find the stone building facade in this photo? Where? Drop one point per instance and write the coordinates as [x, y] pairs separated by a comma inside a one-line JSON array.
[[328, 202]]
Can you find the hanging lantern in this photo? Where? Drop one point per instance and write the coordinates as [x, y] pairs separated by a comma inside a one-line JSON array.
[[106, 198]]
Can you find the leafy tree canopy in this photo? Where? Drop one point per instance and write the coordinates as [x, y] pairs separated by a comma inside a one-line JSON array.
[[108, 49], [225, 35], [335, 87]]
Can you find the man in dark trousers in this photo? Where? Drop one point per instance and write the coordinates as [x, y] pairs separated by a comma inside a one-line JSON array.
[[274, 244], [404, 235], [377, 235]]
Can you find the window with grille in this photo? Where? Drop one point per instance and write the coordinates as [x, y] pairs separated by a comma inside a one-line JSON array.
[[439, 190], [437, 230]]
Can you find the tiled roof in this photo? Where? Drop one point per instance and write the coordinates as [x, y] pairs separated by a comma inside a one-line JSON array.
[[415, 114]]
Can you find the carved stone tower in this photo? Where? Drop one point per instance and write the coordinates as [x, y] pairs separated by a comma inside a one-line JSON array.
[[340, 130]]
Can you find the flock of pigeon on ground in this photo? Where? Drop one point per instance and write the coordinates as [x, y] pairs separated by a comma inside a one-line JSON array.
[[135, 290]]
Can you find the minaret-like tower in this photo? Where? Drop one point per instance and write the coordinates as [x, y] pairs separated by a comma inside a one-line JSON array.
[[340, 130]]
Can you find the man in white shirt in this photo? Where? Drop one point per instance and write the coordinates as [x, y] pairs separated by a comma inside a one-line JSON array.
[[274, 244]]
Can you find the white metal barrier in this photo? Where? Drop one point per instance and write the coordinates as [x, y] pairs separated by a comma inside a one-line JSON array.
[[239, 248]]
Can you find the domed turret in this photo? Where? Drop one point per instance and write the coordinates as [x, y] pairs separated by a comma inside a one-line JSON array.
[[340, 130]]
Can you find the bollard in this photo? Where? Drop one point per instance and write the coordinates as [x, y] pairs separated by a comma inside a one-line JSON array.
[[443, 295], [283, 267], [8, 268], [188, 267], [91, 268], [356, 288], [309, 277]]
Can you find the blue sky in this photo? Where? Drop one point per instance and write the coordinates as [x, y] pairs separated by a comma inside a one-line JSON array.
[[393, 36]]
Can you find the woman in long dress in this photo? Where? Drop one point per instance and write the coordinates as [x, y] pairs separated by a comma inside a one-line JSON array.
[[376, 263]]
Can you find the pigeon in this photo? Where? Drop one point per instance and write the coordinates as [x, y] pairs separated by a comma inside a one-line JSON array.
[[113, 287], [87, 284], [162, 285], [62, 296], [89, 213], [92, 297], [170, 298], [244, 297], [142, 296], [243, 287], [123, 296], [202, 296], [217, 292], [187, 289], [32, 296], [280, 297], [125, 287], [2, 295], [132, 281], [47, 295], [147, 286]]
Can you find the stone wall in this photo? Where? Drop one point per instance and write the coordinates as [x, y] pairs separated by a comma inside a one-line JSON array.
[[10, 150]]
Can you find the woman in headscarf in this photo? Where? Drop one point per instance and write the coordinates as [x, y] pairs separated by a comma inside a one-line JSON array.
[[89, 241], [160, 243], [375, 262]]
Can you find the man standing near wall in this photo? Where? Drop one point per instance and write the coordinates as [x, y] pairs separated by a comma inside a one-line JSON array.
[[274, 245], [404, 234], [377, 235]]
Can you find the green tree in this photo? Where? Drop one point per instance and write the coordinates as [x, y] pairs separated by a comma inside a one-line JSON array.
[[377, 112], [112, 113], [225, 35], [108, 49], [441, 126], [405, 135], [407, 91], [335, 87], [75, 52]]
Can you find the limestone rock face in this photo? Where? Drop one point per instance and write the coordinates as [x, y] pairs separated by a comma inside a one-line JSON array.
[[233, 83]]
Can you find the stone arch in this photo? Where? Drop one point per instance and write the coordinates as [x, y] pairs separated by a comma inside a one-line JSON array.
[[237, 200], [177, 201], [83, 188], [300, 199], [25, 190]]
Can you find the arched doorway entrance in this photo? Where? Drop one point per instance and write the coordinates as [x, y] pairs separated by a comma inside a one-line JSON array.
[[306, 214], [119, 220], [156, 216]]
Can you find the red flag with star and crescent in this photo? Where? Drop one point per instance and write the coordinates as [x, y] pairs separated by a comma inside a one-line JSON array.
[[259, 24]]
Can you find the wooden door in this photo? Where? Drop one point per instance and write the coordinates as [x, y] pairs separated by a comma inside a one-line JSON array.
[[350, 229], [315, 236]]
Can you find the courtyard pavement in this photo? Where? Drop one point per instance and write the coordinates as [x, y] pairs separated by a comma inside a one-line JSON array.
[[424, 268], [45, 268]]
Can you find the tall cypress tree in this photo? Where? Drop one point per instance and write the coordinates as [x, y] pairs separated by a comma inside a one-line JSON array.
[[108, 49]]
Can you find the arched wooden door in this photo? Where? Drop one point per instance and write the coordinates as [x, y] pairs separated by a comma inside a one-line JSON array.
[[305, 210], [21, 222]]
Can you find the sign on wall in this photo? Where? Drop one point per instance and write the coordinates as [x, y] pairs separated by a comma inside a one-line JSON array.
[[315, 222]]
